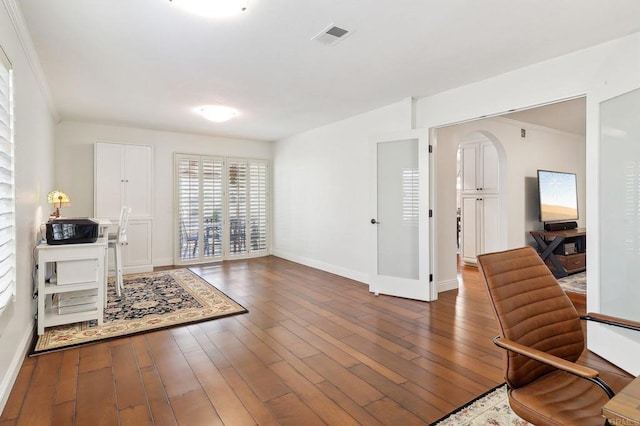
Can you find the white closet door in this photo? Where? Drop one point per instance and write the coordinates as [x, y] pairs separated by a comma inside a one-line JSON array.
[[109, 176], [137, 180]]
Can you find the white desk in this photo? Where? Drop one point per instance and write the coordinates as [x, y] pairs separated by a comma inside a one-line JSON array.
[[103, 225], [79, 267]]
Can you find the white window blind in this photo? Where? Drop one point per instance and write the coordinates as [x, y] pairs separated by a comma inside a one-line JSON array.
[[200, 207], [7, 191], [222, 207], [258, 205]]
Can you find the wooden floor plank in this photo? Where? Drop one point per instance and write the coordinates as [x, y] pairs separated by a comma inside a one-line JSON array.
[[315, 348]]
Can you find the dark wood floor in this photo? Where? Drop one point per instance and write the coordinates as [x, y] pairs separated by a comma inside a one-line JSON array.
[[315, 348]]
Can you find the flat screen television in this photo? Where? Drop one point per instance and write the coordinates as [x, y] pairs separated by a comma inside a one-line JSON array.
[[558, 195]]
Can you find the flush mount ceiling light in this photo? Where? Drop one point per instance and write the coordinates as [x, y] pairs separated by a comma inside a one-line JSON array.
[[212, 8], [217, 113]]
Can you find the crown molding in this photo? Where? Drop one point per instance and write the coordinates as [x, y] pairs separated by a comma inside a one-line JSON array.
[[15, 14]]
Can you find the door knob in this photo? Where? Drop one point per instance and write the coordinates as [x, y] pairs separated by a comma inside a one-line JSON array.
[[374, 222]]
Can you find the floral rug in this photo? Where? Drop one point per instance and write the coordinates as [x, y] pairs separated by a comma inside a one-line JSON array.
[[149, 302], [576, 283], [491, 408]]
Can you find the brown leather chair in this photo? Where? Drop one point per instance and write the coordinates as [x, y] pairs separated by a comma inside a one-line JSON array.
[[542, 333]]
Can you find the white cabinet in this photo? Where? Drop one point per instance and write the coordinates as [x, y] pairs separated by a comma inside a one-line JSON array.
[[480, 167], [136, 253], [480, 226], [123, 177], [480, 200], [79, 274]]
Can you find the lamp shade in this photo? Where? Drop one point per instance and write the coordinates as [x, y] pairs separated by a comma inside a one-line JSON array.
[[58, 197]]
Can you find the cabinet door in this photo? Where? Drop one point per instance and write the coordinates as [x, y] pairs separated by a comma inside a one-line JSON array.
[[468, 166], [108, 180], [489, 169], [469, 229], [136, 254], [137, 180], [490, 224]]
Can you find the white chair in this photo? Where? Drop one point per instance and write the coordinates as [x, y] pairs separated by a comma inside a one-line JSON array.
[[116, 241]]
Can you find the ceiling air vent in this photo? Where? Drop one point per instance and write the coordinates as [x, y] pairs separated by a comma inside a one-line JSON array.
[[331, 35]]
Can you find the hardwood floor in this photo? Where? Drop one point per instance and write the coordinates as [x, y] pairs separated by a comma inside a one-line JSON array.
[[315, 348]]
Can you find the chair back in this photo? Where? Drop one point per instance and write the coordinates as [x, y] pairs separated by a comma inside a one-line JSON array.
[[122, 224], [532, 309]]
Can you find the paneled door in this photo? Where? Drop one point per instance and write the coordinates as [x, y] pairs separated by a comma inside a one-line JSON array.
[[613, 197], [400, 258]]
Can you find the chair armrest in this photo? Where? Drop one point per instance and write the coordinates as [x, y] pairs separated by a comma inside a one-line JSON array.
[[609, 320], [557, 362], [552, 360]]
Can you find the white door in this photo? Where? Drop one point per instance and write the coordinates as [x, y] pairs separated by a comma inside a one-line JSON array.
[[469, 228], [400, 258], [108, 180], [613, 220], [137, 180], [136, 253]]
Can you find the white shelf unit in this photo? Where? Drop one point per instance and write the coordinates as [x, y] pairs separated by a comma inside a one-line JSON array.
[[80, 267]]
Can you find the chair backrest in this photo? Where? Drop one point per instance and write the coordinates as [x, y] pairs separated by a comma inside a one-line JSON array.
[[532, 309], [122, 224]]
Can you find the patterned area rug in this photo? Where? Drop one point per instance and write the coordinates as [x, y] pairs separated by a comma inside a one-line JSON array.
[[148, 302], [576, 283], [491, 408]]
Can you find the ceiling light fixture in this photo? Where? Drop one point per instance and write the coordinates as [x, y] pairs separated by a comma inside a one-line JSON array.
[[217, 113], [213, 8]]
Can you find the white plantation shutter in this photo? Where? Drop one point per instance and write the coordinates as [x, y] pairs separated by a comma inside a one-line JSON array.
[[222, 208], [199, 197], [237, 206], [258, 205], [7, 190], [213, 197]]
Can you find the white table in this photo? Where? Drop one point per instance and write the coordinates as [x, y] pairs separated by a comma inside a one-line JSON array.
[[78, 267]]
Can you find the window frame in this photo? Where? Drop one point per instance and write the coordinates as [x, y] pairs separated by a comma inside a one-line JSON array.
[[7, 185]]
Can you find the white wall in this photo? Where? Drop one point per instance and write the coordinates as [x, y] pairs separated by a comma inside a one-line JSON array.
[[542, 148], [34, 173], [74, 172], [322, 180]]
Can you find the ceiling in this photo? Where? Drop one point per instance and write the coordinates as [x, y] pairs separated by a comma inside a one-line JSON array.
[[145, 63], [567, 116]]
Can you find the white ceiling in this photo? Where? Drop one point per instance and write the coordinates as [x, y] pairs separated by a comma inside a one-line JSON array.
[[567, 116], [145, 63]]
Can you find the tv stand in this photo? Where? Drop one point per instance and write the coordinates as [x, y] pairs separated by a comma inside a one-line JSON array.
[[563, 251]]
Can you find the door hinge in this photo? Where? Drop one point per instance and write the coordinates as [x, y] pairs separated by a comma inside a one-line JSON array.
[[430, 278], [430, 213], [430, 149]]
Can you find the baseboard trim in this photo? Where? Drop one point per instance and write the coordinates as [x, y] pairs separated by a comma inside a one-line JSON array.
[[447, 285], [327, 267], [12, 372]]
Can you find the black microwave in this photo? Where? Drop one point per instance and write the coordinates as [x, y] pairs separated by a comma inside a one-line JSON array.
[[71, 231]]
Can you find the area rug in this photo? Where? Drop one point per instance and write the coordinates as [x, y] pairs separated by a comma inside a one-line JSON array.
[[576, 283], [491, 408], [148, 302]]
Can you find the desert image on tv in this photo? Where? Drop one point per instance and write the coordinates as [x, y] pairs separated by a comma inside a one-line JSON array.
[[554, 212]]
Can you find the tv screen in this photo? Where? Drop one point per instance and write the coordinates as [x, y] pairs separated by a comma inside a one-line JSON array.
[[558, 194]]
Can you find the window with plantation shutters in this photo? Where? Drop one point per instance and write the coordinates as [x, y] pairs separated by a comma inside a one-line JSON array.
[[222, 208], [7, 191]]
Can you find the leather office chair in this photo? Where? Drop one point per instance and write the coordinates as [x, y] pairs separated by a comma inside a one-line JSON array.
[[116, 241], [543, 336]]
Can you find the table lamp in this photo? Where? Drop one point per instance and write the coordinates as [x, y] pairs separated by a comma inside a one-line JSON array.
[[57, 198]]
